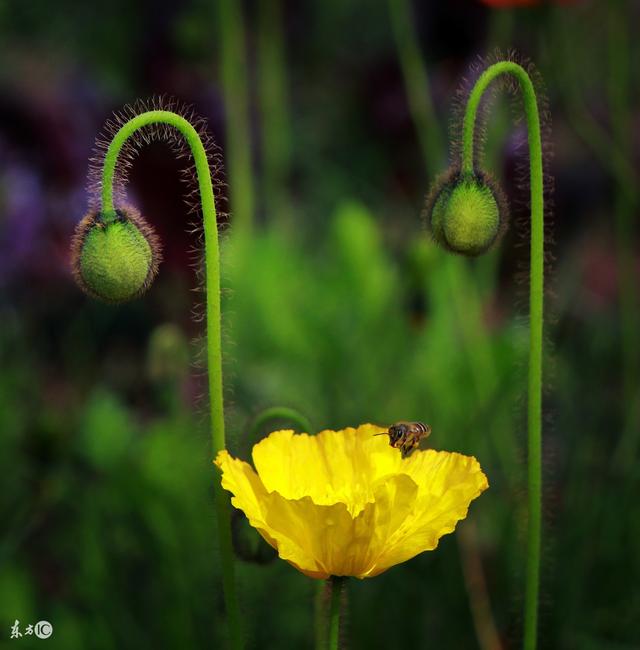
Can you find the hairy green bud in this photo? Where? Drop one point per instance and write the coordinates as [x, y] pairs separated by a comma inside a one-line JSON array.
[[115, 259], [466, 213]]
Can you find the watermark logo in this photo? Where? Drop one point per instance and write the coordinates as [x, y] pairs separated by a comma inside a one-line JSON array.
[[41, 629]]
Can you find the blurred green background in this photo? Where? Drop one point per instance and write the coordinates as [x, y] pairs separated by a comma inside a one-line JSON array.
[[333, 121]]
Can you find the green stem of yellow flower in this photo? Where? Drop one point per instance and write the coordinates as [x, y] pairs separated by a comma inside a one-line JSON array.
[[337, 584], [536, 293], [214, 349], [320, 611]]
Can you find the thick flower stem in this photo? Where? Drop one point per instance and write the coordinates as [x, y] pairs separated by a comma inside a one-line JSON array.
[[214, 350], [337, 584], [322, 589], [536, 291]]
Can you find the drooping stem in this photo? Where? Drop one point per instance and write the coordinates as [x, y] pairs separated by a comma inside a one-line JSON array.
[[214, 350], [337, 584], [536, 292]]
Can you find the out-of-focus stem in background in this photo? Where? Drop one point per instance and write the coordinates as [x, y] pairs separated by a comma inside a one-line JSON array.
[[619, 75], [274, 112], [417, 85], [568, 76], [614, 153], [463, 288], [233, 62]]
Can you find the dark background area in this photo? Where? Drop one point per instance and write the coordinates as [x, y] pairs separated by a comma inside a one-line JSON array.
[[339, 307]]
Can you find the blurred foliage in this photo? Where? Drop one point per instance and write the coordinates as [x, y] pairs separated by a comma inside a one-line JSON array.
[[335, 306], [110, 520]]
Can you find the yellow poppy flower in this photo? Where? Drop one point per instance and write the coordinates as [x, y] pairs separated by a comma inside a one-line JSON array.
[[346, 503]]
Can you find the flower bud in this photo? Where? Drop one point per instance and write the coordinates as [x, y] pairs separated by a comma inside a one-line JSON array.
[[466, 213], [115, 259]]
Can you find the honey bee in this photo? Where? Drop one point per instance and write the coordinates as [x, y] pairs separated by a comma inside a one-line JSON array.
[[406, 436]]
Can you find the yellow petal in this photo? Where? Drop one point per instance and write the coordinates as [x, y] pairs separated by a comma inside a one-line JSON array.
[[292, 527], [320, 540], [330, 467], [450, 482], [346, 503]]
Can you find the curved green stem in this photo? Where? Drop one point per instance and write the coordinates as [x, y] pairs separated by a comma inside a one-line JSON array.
[[280, 413], [214, 351], [337, 583], [536, 291]]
